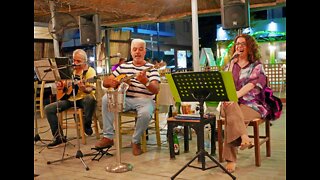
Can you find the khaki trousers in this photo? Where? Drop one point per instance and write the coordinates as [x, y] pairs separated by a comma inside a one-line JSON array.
[[237, 118]]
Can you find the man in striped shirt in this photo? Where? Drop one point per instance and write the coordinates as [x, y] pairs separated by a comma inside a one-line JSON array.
[[140, 95]]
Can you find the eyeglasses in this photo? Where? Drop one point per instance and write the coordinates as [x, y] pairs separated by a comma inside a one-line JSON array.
[[241, 44]]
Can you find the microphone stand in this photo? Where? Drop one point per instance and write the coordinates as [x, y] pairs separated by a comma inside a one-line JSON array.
[[79, 154]]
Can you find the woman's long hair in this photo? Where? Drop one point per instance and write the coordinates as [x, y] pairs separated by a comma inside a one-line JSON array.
[[252, 47]]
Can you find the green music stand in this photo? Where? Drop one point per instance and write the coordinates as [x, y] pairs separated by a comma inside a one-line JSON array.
[[201, 87]]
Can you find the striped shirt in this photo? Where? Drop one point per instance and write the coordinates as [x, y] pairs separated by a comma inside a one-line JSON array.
[[136, 88]]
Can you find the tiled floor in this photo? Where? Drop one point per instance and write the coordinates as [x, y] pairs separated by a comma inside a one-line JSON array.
[[155, 163]]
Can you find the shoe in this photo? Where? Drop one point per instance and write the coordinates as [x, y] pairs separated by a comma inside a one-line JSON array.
[[88, 131], [56, 142], [251, 146], [136, 149], [245, 146], [104, 142]]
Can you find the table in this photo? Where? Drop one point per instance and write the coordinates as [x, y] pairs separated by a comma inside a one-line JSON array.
[[198, 126]]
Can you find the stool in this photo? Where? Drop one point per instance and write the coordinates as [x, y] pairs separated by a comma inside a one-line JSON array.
[[197, 126]]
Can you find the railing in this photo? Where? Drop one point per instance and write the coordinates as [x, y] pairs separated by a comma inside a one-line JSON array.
[[276, 74]]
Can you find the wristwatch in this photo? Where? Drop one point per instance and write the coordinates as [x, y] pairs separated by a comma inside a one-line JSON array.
[[148, 83]]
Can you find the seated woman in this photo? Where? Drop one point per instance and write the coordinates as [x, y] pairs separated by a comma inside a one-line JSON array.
[[249, 78]]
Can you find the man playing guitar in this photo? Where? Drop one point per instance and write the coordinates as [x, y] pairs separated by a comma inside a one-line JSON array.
[[84, 97], [139, 96]]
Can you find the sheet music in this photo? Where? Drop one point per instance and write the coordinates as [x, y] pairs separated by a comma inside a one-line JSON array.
[[40, 66]]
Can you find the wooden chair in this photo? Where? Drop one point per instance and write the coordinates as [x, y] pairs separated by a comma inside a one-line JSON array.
[[258, 139], [154, 124], [79, 113], [39, 97]]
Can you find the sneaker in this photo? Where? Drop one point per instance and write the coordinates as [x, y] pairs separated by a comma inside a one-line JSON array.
[[56, 142], [136, 149], [104, 142], [88, 131]]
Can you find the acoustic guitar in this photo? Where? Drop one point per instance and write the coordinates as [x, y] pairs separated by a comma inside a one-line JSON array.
[[123, 77], [66, 91]]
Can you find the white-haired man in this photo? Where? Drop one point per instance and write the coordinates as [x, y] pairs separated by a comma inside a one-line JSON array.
[[84, 97], [139, 96]]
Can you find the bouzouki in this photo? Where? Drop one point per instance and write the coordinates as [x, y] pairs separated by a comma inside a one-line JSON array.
[[66, 91], [124, 78]]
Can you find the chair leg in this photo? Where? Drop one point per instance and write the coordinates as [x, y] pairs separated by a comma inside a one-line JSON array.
[[81, 127], [144, 142], [268, 143], [256, 143], [60, 119], [220, 140], [41, 109], [95, 124], [157, 127]]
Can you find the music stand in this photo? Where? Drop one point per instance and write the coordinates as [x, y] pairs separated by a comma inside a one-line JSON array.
[[63, 65], [41, 68], [202, 86]]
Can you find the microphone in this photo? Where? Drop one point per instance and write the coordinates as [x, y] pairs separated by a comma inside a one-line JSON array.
[[116, 55], [235, 55]]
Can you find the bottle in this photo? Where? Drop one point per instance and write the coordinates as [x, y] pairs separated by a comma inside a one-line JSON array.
[[178, 107], [170, 111], [176, 144], [207, 136], [174, 110]]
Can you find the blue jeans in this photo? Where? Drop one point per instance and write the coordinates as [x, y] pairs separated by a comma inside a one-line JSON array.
[[144, 108], [88, 103]]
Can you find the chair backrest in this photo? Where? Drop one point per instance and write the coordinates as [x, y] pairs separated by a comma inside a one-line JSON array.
[[39, 99]]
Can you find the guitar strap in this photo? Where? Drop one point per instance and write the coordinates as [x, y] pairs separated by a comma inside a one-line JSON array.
[[84, 73]]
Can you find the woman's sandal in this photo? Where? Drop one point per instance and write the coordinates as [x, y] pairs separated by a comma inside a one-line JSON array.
[[247, 145]]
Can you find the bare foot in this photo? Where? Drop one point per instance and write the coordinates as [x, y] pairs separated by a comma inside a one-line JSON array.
[[245, 142], [231, 167]]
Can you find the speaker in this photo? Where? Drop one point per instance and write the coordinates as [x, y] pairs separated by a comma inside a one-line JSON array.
[[235, 14], [89, 26]]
